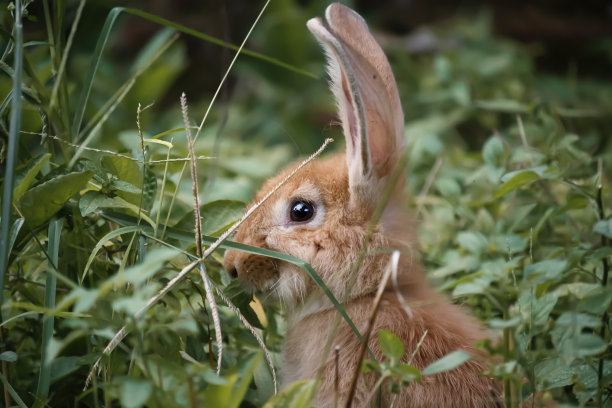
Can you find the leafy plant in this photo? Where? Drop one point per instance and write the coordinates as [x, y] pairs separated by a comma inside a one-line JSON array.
[[510, 168]]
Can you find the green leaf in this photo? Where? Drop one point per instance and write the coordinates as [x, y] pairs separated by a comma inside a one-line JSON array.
[[575, 202], [237, 294], [127, 171], [152, 263], [231, 394], [93, 200], [64, 365], [446, 363], [9, 356], [26, 173], [125, 186], [298, 394], [13, 233], [590, 344], [102, 241], [473, 242], [493, 151], [217, 216], [604, 227], [548, 270], [541, 171], [407, 373], [390, 345], [515, 182], [246, 374], [134, 393], [54, 194], [553, 373], [536, 310], [579, 289], [503, 105], [369, 365]]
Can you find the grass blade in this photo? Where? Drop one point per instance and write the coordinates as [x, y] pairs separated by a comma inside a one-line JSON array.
[[103, 39], [102, 241], [13, 235], [44, 378], [95, 124], [12, 391], [62, 67], [211, 39], [13, 142], [93, 68]]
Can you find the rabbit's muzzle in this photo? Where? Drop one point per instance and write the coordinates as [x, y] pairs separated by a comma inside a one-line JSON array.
[[254, 270]]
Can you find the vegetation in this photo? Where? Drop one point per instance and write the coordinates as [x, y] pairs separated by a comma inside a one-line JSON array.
[[509, 169]]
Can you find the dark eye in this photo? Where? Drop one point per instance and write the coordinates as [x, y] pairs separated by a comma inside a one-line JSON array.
[[301, 211]]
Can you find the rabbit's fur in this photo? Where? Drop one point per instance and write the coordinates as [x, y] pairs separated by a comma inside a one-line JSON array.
[[345, 190]]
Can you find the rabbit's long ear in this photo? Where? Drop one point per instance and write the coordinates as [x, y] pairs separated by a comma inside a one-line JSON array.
[[367, 98]]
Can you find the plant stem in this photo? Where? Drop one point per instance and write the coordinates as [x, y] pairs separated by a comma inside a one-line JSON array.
[[11, 156], [368, 332]]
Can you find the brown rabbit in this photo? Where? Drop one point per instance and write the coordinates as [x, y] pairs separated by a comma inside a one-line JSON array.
[[322, 216]]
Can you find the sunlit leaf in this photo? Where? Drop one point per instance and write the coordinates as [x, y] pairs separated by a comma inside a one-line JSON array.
[[296, 395], [390, 345], [446, 363], [604, 227], [135, 393], [515, 182]]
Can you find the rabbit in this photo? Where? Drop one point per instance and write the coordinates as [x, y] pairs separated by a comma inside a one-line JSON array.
[[322, 215]]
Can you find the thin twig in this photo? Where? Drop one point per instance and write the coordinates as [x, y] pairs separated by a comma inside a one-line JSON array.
[[336, 375], [91, 149], [198, 234], [522, 132], [253, 332], [428, 183], [246, 37], [393, 264], [215, 315], [64, 60], [163, 189], [396, 288]]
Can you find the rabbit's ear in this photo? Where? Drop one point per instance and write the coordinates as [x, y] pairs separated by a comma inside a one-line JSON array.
[[367, 98]]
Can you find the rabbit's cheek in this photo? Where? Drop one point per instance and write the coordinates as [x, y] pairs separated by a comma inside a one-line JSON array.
[[295, 243]]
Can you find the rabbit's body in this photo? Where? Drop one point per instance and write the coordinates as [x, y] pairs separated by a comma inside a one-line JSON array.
[[323, 214], [448, 329]]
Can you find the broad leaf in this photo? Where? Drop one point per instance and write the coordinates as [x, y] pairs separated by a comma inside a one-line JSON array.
[[40, 203], [446, 363], [26, 173], [390, 345]]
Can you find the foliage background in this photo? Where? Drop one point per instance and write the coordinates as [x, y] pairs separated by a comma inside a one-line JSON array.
[[509, 143]]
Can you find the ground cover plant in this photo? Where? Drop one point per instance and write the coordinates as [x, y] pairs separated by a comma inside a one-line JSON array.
[[508, 168]]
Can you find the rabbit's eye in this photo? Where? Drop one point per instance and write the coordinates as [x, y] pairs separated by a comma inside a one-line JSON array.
[[301, 211]]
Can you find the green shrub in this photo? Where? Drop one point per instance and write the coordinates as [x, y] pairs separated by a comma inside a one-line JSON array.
[[509, 171]]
